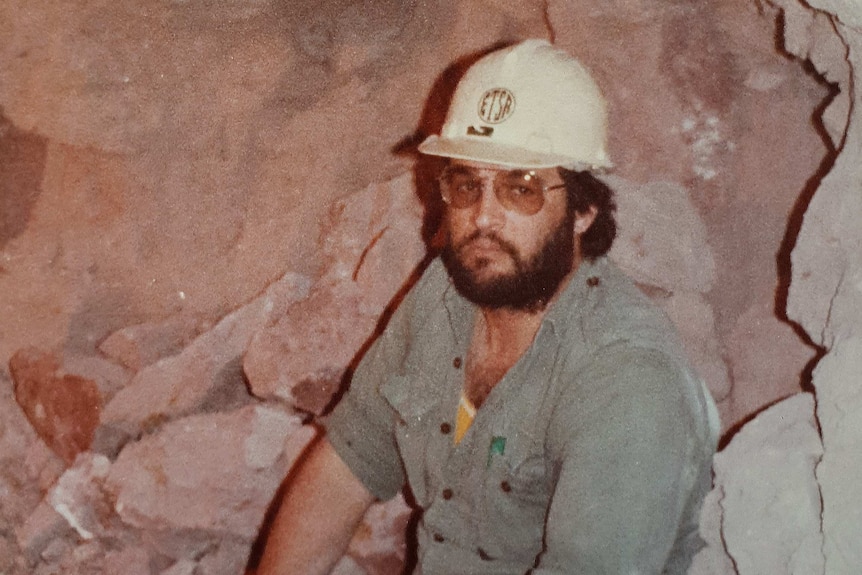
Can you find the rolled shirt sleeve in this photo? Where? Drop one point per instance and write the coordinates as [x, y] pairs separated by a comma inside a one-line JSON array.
[[360, 427]]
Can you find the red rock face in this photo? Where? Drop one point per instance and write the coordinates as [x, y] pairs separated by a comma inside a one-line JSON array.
[[62, 408], [157, 179]]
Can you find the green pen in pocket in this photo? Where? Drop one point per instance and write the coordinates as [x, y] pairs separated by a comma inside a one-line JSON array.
[[498, 446]]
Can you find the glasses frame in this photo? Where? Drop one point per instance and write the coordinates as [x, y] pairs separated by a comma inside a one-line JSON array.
[[505, 200]]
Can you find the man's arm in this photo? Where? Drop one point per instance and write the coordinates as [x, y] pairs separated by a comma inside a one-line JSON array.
[[629, 459], [323, 504]]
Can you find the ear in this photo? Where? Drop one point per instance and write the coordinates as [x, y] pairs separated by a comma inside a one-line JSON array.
[[583, 220]]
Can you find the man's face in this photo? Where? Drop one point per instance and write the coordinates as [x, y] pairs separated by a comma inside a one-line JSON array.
[[499, 257]]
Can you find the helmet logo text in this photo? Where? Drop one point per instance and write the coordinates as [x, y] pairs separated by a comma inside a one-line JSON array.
[[479, 130], [496, 105]]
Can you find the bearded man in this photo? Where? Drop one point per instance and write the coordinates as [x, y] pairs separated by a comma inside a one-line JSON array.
[[536, 405]]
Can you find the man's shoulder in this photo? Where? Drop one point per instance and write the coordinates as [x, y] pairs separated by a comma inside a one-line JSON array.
[[428, 293], [622, 313]]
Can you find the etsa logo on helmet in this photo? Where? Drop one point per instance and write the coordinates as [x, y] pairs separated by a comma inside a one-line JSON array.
[[496, 105]]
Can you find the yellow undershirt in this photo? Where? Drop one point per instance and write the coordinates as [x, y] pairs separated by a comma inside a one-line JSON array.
[[466, 414]]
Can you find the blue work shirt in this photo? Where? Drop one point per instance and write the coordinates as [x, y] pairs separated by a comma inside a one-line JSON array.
[[591, 455]]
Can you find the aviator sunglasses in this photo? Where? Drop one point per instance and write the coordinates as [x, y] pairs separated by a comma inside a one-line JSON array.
[[521, 191]]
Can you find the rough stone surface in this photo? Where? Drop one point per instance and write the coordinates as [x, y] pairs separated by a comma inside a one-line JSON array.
[[764, 380], [719, 135], [157, 179], [237, 459], [63, 408], [138, 346], [768, 497], [826, 292], [379, 546], [374, 245], [207, 368], [681, 261]]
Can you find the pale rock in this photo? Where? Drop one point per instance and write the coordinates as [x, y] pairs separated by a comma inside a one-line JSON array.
[[72, 558], [8, 551], [810, 35], [206, 369], [348, 566], [43, 465], [379, 545], [16, 433], [838, 380], [768, 493], [662, 239], [138, 346], [11, 562], [108, 376], [181, 567], [374, 247], [43, 526], [129, 561], [168, 544], [301, 360], [194, 473], [385, 221], [848, 12], [829, 240], [27, 465], [63, 408], [79, 498], [713, 558], [826, 292], [55, 552], [229, 557]]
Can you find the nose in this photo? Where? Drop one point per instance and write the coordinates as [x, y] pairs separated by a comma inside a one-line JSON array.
[[489, 214]]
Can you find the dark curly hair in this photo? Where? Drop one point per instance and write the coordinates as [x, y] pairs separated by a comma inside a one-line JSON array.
[[583, 190]]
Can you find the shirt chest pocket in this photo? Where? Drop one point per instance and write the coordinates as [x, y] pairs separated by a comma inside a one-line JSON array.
[[414, 434], [516, 495]]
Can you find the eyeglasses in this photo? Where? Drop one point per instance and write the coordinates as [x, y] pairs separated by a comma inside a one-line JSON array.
[[521, 191]]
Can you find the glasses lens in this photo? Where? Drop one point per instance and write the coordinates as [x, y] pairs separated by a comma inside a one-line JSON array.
[[523, 192], [519, 191], [460, 188]]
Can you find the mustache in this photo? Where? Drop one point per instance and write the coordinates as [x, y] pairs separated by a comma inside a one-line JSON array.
[[490, 236]]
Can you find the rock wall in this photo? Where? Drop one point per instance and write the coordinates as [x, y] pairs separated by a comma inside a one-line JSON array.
[[786, 497], [205, 209]]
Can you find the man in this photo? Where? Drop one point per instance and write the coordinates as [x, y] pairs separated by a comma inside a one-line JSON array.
[[535, 403]]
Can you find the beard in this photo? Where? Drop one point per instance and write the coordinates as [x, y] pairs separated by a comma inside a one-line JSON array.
[[533, 282]]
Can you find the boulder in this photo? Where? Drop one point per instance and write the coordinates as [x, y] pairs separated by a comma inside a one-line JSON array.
[[62, 408]]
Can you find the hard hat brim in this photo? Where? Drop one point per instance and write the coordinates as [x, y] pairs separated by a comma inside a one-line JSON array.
[[481, 150]]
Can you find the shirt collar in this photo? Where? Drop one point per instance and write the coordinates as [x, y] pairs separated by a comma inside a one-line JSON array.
[[576, 296]]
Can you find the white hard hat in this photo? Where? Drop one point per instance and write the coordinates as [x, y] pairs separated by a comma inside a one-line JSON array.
[[526, 106]]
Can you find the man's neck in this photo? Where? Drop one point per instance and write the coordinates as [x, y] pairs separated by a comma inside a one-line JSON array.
[[504, 323], [500, 337]]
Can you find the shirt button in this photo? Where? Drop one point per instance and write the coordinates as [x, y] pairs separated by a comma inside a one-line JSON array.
[[439, 538], [456, 363], [593, 281], [505, 487], [447, 494], [445, 428]]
